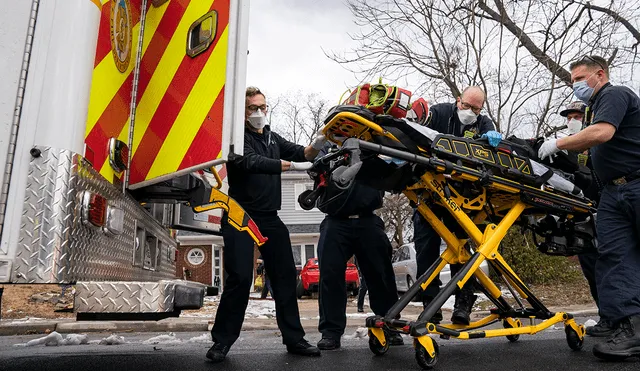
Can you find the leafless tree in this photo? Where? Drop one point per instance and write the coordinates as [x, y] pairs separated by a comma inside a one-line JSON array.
[[517, 50], [274, 106], [298, 116], [396, 214]]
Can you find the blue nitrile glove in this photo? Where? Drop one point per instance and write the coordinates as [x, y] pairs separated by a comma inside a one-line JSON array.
[[493, 136]]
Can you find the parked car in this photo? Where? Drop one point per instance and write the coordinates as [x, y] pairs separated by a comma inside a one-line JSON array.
[[309, 278], [405, 267]]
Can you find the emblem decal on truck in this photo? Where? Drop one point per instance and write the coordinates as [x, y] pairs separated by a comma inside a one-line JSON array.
[[120, 19]]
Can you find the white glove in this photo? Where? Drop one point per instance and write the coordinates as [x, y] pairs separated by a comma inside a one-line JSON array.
[[548, 148], [300, 166], [319, 141]]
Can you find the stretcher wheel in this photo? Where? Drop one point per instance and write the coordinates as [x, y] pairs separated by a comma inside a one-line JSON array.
[[423, 357], [573, 339], [512, 338], [375, 346]]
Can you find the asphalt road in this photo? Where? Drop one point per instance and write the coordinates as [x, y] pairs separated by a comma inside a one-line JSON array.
[[262, 350]]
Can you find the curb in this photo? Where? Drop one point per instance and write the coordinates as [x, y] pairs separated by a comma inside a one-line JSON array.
[[27, 328], [179, 325]]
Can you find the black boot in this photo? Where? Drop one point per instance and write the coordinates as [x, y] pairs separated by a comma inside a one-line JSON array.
[[463, 307], [437, 317], [218, 352], [624, 343], [327, 343], [603, 328], [303, 348]]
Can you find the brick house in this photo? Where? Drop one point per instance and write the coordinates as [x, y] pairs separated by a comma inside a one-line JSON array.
[[200, 256]]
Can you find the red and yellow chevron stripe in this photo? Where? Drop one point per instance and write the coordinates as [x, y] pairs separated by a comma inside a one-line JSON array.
[[111, 90], [180, 99]]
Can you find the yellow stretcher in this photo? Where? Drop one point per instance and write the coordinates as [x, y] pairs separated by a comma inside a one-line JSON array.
[[485, 199]]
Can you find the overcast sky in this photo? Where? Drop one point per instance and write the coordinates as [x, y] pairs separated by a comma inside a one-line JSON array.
[[286, 43]]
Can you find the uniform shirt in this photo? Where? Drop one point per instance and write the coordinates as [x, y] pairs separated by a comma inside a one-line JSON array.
[[443, 118], [620, 156], [254, 178]]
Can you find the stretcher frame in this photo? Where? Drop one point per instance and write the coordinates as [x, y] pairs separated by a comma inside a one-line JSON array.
[[355, 133]]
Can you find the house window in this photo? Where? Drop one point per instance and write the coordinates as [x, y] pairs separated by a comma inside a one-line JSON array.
[[309, 252], [299, 188], [302, 253], [195, 256], [297, 257]]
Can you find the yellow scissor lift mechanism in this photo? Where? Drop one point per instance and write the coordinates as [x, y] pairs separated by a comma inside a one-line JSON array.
[[435, 187]]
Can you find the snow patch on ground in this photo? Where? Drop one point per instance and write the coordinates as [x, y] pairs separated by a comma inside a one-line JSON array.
[[163, 339], [55, 339], [111, 340], [171, 338], [261, 309], [360, 315], [211, 299], [360, 333], [76, 339], [202, 339], [590, 323]]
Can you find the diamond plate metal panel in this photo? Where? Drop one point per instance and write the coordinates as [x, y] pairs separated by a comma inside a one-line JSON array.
[[56, 247], [124, 297]]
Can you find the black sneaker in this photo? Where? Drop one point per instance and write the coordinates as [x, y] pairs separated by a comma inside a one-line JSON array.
[[603, 328], [327, 343], [360, 310], [303, 348], [624, 343], [394, 339], [218, 352]]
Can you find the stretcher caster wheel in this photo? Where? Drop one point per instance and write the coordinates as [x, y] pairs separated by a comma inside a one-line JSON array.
[[506, 324], [423, 356], [375, 346], [573, 338]]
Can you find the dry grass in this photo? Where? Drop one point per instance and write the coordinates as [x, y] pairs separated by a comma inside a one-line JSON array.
[[16, 303]]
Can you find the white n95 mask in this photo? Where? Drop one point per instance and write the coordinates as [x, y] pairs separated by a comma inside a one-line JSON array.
[[574, 126], [467, 117], [257, 120]]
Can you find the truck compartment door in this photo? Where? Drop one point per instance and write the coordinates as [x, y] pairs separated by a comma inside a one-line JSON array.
[[185, 96]]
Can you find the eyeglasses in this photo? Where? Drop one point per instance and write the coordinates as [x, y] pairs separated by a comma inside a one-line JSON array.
[[466, 105], [588, 58], [253, 108]]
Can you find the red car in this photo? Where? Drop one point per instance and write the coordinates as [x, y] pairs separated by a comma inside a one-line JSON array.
[[309, 278]]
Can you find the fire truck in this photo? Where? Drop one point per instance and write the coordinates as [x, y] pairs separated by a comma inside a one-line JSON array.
[[116, 117]]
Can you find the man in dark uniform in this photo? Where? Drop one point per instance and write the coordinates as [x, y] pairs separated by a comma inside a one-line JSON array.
[[575, 117], [462, 118], [613, 134], [254, 182], [351, 228]]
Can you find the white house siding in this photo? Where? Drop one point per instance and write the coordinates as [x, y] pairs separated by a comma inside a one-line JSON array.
[[288, 213]]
